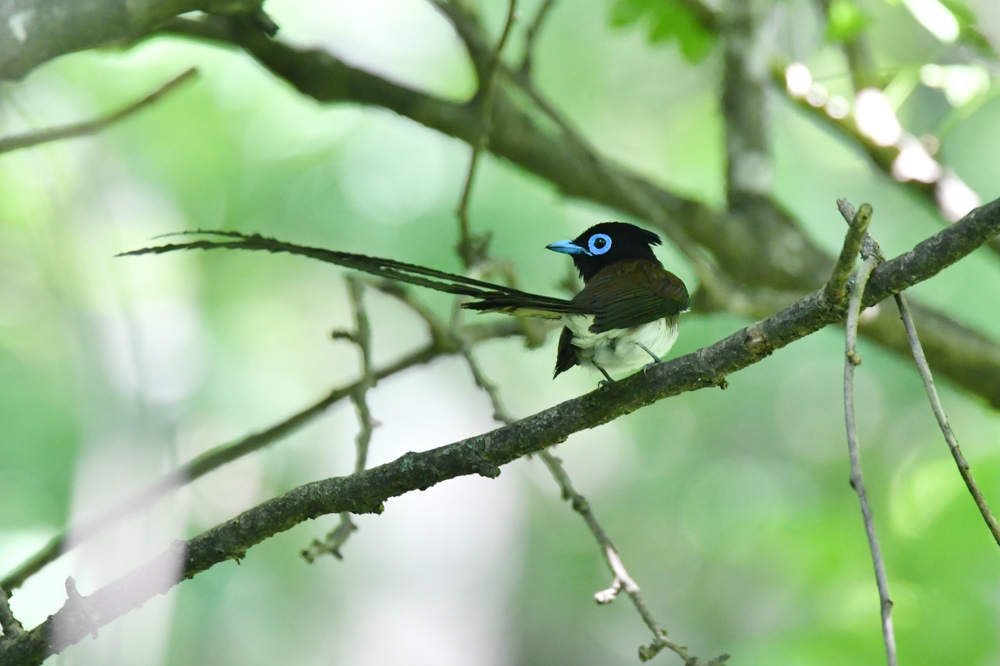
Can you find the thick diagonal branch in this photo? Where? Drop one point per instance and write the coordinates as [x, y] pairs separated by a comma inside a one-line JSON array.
[[484, 454]]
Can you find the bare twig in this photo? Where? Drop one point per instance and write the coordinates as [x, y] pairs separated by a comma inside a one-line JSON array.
[[473, 249], [622, 580], [836, 286], [531, 35], [362, 337], [621, 577], [10, 625], [925, 373], [368, 379], [226, 453], [857, 481], [48, 135], [942, 419]]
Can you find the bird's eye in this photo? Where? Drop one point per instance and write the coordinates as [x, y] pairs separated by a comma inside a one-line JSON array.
[[599, 243]]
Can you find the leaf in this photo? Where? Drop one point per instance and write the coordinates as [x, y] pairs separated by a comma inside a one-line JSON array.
[[626, 12], [844, 20], [666, 21]]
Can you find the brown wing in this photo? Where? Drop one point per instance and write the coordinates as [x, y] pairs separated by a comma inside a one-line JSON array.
[[632, 293]]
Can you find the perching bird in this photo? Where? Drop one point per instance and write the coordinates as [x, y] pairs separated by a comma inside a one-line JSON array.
[[625, 316]]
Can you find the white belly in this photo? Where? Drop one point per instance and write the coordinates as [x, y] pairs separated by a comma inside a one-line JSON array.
[[617, 350]]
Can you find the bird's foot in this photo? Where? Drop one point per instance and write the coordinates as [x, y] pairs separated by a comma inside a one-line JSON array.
[[607, 378], [645, 369], [656, 359]]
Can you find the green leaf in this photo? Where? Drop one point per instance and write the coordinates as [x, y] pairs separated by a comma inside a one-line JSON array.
[[627, 12], [666, 21], [844, 20]]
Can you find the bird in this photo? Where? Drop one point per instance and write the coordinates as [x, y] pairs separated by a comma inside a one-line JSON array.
[[627, 313], [625, 318]]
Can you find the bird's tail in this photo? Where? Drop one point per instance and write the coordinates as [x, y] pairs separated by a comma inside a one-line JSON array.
[[489, 297]]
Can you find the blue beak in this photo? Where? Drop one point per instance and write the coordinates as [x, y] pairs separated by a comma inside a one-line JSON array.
[[566, 247]]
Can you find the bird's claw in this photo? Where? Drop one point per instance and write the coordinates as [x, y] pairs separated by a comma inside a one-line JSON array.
[[645, 369]]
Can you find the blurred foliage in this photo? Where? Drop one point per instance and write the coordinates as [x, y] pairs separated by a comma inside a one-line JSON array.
[[731, 508], [844, 20], [666, 21]]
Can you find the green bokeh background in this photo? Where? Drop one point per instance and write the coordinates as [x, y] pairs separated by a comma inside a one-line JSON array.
[[731, 509]]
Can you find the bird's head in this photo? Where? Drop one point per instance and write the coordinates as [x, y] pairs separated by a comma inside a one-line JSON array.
[[606, 243]]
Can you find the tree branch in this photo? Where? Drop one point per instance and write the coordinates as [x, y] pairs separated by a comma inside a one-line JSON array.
[[35, 31], [749, 172], [27, 140], [484, 454]]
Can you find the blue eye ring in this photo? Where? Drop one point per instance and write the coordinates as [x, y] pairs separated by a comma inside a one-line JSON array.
[[599, 243]]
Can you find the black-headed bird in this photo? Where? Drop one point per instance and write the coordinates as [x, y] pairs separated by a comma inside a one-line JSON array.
[[625, 317]]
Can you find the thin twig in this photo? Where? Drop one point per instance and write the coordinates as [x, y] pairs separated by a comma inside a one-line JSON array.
[[362, 337], [851, 361], [857, 481], [870, 246], [500, 412], [10, 625], [622, 579], [50, 134], [836, 286], [942, 419], [531, 35], [226, 453], [470, 249]]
